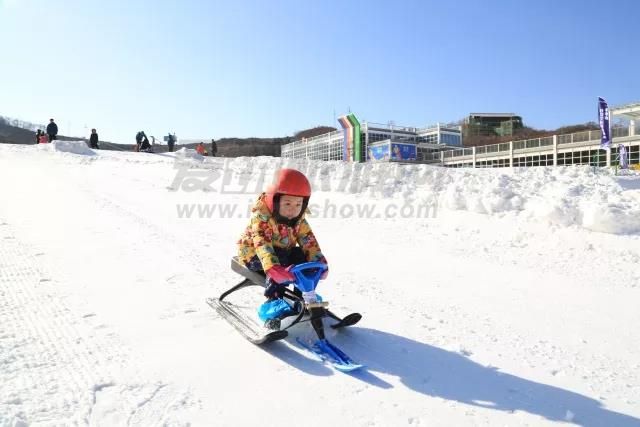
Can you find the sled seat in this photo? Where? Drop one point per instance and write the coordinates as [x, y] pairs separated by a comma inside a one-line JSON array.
[[239, 267]]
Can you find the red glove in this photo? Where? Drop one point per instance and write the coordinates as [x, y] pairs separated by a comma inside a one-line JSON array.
[[279, 274], [326, 272]]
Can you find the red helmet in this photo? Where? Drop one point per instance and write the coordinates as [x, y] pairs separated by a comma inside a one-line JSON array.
[[288, 181]]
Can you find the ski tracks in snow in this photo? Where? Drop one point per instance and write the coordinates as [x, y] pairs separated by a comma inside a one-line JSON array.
[[61, 367]]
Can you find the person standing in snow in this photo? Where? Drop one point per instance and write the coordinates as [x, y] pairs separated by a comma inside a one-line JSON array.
[[139, 137], [214, 148], [93, 139], [52, 130], [171, 139], [38, 133]]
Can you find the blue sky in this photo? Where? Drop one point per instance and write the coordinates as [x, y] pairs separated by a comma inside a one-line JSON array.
[[263, 68]]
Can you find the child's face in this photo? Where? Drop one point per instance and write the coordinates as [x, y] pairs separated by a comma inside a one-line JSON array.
[[290, 206]]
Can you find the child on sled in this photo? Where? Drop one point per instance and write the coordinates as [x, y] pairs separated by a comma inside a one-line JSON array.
[[279, 237]]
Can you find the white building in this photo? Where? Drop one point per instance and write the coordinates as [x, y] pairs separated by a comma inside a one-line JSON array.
[[379, 142]]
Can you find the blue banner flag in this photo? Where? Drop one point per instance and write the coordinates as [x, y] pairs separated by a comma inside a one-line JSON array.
[[603, 116], [622, 153]]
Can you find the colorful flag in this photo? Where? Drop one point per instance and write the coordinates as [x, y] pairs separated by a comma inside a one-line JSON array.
[[622, 153], [603, 116]]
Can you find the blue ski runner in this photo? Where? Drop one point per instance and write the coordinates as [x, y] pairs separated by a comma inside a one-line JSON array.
[[329, 353]]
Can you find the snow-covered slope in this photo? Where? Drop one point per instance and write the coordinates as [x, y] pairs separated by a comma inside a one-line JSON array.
[[490, 297]]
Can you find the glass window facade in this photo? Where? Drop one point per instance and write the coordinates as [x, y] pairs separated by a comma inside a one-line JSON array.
[[323, 147], [330, 146], [583, 157], [450, 139]]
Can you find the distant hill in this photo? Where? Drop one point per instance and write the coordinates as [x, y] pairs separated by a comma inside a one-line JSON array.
[[236, 147], [310, 133]]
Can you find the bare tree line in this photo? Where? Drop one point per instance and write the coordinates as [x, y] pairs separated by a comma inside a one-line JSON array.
[[21, 123]]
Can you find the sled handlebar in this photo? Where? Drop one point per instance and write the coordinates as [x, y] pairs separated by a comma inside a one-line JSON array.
[[307, 280]]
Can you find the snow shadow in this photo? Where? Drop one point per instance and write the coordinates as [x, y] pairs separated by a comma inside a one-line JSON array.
[[440, 373], [629, 182], [307, 364]]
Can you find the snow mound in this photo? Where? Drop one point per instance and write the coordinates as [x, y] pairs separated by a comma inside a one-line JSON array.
[[560, 196], [74, 147], [188, 154]]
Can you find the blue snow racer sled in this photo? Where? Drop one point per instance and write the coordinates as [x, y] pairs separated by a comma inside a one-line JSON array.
[[289, 311]]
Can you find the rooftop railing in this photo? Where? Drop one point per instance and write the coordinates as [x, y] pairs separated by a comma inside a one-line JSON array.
[[584, 136]]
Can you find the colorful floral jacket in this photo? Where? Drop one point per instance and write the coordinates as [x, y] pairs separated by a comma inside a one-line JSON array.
[[264, 233]]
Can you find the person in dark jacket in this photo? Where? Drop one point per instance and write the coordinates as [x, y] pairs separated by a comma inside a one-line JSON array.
[[139, 137], [144, 145], [214, 148], [52, 130], [38, 133], [171, 140], [93, 139]]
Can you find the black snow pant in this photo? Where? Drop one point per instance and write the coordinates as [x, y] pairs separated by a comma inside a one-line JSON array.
[[287, 257]]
